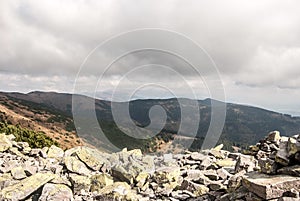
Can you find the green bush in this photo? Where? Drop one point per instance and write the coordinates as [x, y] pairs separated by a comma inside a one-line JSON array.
[[35, 139]]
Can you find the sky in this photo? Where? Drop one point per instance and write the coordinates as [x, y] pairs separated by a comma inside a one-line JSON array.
[[253, 46]]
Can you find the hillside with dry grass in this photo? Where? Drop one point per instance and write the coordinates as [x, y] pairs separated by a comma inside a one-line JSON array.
[[54, 125]]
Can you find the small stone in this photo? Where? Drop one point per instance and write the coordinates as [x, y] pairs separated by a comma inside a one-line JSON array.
[[273, 136], [18, 173], [245, 162], [235, 181], [267, 166], [196, 189], [80, 182], [224, 174], [212, 175], [217, 154], [55, 152], [218, 147], [141, 179], [216, 186], [197, 156], [293, 146], [228, 162], [99, 181]]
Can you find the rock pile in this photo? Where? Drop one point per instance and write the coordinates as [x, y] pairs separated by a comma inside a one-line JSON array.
[[269, 170]]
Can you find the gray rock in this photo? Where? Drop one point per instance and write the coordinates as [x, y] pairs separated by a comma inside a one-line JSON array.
[[76, 166], [282, 156], [197, 156], [245, 162], [56, 192], [80, 183], [267, 166], [18, 173], [25, 187], [93, 158], [55, 152], [291, 170], [273, 136], [196, 189], [270, 186], [293, 146], [5, 143]]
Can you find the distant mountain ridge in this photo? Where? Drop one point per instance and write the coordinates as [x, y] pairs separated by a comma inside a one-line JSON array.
[[243, 125]]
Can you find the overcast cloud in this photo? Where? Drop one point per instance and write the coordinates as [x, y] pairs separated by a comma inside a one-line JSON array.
[[255, 45]]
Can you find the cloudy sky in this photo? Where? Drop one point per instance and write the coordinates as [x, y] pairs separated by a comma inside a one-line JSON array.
[[255, 46]]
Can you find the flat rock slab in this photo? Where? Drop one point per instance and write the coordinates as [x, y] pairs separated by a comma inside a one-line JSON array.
[[25, 187], [270, 186]]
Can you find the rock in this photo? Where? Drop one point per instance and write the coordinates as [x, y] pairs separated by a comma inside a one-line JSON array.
[[282, 154], [288, 199], [211, 174], [76, 166], [217, 154], [133, 164], [297, 157], [119, 191], [15, 151], [25, 187], [5, 143], [206, 162], [80, 182], [8, 165], [216, 186], [196, 156], [273, 136], [196, 189], [228, 162], [223, 174], [100, 181], [168, 159], [293, 146], [265, 147], [6, 180], [55, 152], [92, 158], [261, 154], [56, 192], [245, 162], [61, 179], [270, 186], [169, 178], [18, 173], [141, 179], [291, 170], [235, 181], [218, 148], [267, 166]]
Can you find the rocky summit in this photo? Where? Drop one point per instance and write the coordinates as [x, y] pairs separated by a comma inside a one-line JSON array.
[[269, 170]]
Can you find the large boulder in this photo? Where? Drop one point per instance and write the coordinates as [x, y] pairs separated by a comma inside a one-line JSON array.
[[25, 187], [93, 158], [270, 186]]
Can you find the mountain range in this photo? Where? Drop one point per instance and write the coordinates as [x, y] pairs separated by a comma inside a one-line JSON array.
[[52, 113]]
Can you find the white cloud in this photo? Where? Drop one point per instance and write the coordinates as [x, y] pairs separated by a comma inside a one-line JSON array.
[[255, 44]]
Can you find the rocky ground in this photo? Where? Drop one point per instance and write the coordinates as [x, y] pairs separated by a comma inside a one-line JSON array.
[[269, 170]]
